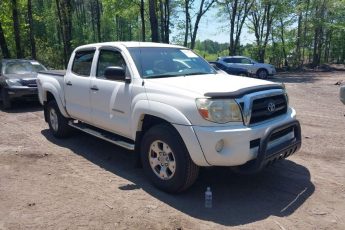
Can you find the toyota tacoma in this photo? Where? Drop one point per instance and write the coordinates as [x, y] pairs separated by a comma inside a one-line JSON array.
[[171, 107]]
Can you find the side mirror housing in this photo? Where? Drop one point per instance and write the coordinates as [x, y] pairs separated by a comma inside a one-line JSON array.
[[115, 73]]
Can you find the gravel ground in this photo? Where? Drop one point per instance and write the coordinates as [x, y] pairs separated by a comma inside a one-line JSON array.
[[86, 183]]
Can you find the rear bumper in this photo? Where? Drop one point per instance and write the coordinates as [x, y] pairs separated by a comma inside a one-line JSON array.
[[22, 92]]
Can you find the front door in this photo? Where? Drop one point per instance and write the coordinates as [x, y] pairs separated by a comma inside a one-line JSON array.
[[111, 99]]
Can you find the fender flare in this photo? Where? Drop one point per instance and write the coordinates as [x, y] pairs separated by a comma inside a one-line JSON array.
[[157, 109], [48, 87], [176, 118]]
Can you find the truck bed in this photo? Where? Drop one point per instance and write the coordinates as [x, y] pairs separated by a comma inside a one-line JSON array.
[[59, 73]]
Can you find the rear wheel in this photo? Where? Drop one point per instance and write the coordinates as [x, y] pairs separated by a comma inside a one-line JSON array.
[[262, 74], [166, 161], [58, 124], [6, 102]]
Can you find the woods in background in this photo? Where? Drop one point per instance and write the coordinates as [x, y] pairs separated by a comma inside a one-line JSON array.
[[287, 33]]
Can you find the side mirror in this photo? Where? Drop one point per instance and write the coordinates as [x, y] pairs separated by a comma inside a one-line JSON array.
[[115, 73]]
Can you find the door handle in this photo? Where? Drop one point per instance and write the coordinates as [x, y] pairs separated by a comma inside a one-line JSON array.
[[69, 83], [95, 88]]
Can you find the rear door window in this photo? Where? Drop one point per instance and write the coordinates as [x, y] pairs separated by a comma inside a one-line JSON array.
[[245, 61], [82, 62]]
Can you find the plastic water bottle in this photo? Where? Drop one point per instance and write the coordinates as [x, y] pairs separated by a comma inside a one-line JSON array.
[[208, 198]]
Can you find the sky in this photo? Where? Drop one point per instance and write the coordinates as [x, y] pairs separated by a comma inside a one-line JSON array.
[[216, 28]]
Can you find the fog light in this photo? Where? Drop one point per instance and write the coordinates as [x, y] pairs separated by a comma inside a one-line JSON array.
[[220, 145]]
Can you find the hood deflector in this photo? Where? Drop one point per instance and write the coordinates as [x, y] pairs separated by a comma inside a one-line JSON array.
[[242, 92]]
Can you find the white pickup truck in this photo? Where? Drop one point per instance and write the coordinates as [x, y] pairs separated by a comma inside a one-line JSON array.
[[172, 108]]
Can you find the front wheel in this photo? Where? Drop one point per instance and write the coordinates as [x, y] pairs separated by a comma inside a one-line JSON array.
[[262, 74], [58, 124], [166, 160]]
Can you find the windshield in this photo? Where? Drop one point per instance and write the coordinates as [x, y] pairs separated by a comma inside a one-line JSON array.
[[158, 62], [23, 67]]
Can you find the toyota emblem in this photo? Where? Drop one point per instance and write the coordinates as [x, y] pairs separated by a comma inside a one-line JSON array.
[[271, 107]]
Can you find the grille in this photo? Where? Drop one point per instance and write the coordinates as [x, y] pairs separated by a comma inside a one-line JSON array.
[[260, 108], [29, 82]]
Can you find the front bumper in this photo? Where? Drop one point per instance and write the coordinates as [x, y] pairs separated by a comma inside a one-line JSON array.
[[262, 143], [272, 72], [22, 92]]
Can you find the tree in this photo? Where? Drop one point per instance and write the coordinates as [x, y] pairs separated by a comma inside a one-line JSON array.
[[261, 17], [187, 6], [203, 8], [142, 17], [164, 8], [153, 21], [16, 29], [31, 30], [64, 9], [95, 8], [237, 11], [3, 44], [320, 11]]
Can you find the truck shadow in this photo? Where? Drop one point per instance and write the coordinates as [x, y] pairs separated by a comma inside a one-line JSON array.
[[237, 199]]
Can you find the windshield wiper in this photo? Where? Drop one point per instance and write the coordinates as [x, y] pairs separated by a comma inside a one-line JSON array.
[[161, 76], [196, 73]]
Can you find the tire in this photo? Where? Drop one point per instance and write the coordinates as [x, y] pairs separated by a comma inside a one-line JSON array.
[[58, 124], [178, 171], [262, 74], [6, 102]]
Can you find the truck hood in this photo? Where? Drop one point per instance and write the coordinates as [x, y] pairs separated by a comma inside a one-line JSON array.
[[216, 85]]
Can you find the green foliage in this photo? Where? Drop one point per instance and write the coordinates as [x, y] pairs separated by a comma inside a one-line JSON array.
[[320, 22]]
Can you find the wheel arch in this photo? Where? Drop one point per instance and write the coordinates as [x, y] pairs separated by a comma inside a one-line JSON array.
[[261, 68], [51, 93], [155, 111], [147, 114]]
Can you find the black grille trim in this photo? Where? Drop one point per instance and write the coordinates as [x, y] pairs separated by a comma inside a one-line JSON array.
[[260, 112]]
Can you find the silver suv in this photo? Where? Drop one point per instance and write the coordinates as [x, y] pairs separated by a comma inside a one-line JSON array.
[[261, 70]]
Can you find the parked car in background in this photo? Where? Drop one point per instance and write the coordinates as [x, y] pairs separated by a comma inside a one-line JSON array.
[[254, 68], [18, 80], [342, 94], [231, 70], [220, 71]]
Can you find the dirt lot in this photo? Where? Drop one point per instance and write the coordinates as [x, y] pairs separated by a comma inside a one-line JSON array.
[[86, 183]]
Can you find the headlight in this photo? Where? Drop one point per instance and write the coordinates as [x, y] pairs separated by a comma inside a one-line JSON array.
[[219, 110], [13, 82]]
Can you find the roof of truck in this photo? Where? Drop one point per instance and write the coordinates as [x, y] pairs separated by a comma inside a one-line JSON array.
[[131, 44]]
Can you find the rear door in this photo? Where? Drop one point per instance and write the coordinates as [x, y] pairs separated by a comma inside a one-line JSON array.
[[77, 85], [245, 63], [111, 99]]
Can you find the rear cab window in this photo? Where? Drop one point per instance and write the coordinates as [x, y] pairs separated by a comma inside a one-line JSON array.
[[82, 62]]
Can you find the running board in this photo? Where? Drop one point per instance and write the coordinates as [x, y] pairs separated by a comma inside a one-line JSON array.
[[105, 135]]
